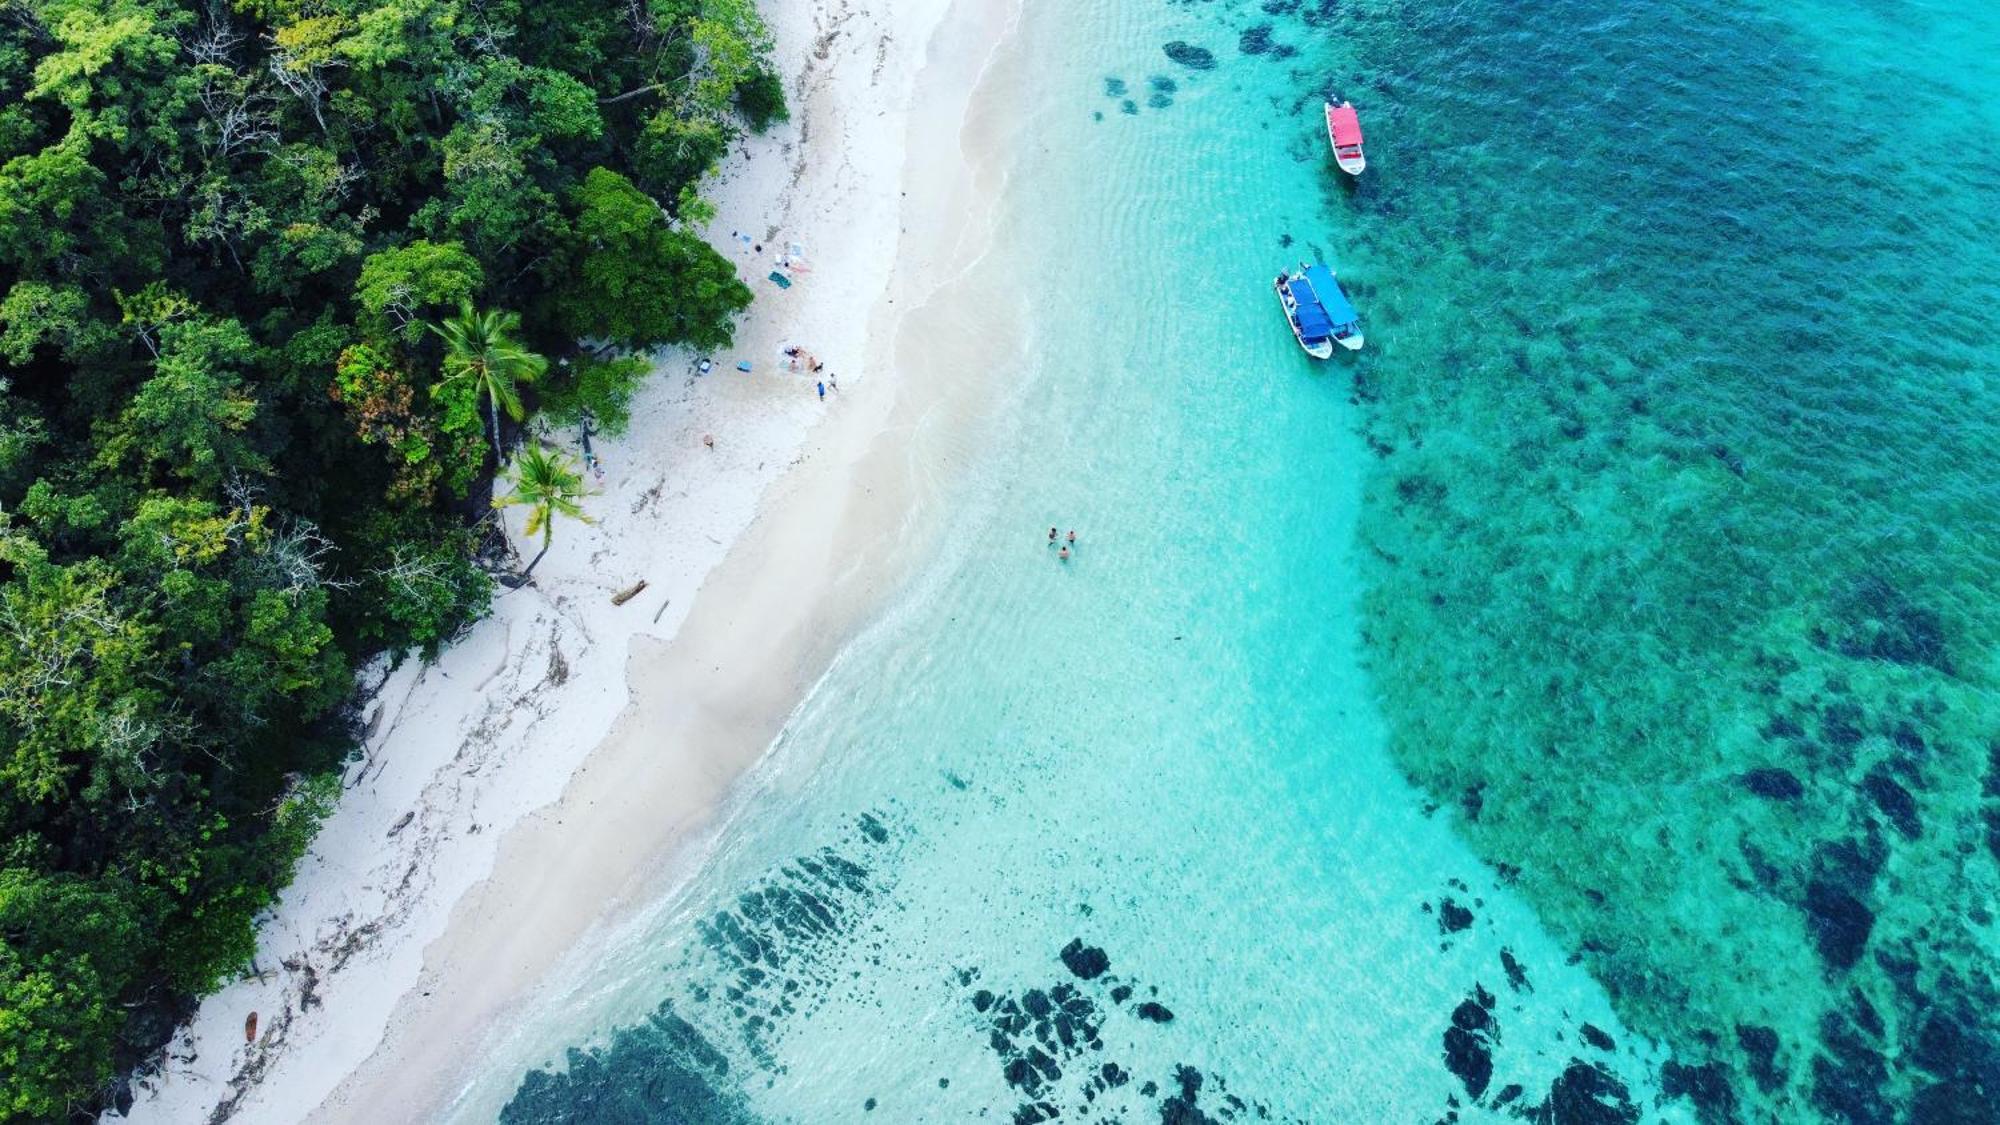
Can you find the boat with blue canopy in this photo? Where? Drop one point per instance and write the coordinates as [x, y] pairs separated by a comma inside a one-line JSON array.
[[1318, 310]]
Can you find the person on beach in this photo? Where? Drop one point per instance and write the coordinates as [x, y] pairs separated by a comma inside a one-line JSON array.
[[793, 351], [822, 392]]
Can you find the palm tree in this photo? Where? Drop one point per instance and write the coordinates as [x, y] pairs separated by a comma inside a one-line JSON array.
[[550, 485], [480, 346]]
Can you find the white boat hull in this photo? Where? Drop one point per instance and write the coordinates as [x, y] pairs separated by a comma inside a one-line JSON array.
[[1322, 349], [1347, 156]]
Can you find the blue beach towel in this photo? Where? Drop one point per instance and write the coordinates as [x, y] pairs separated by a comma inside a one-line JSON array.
[[783, 281]]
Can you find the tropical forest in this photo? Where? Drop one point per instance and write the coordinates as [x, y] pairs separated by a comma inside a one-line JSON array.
[[288, 291]]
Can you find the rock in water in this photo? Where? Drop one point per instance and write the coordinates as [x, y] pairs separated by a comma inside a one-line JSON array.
[[1588, 1095], [1452, 917], [1191, 56], [1707, 1086], [1087, 961], [1774, 783], [1467, 1055], [1468, 1042], [1761, 1045], [1036, 1003], [1896, 802], [1839, 923], [1469, 1016]]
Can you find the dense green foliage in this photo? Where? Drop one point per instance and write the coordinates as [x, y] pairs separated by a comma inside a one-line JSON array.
[[235, 459]]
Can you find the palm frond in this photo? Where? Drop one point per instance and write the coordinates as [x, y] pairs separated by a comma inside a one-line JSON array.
[[548, 484]]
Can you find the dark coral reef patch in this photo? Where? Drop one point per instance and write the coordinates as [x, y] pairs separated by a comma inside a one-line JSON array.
[[1717, 687], [1191, 56], [1051, 1046]]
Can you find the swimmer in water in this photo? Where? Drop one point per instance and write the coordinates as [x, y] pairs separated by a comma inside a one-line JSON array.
[[1063, 554]]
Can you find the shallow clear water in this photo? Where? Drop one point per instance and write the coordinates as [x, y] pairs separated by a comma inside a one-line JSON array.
[[1669, 460]]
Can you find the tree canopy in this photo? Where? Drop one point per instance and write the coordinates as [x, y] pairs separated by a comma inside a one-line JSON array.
[[234, 463], [548, 485]]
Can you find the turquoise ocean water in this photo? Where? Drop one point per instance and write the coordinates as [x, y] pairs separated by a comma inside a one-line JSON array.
[[1579, 706]]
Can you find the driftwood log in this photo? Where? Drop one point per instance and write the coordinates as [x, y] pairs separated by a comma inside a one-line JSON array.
[[628, 593]]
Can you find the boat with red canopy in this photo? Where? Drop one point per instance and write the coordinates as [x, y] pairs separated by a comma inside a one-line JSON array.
[[1343, 128]]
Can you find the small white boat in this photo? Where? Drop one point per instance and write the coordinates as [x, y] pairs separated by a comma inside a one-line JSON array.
[[1318, 311], [1343, 129]]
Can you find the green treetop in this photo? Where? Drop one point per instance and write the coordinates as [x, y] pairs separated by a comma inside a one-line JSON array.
[[548, 485], [481, 349]]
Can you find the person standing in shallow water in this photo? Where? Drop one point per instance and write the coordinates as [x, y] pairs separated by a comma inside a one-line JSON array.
[[1063, 554], [1052, 536]]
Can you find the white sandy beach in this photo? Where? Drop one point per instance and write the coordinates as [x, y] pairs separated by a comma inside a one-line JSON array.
[[560, 764]]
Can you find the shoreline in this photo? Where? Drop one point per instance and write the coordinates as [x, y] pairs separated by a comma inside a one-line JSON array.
[[497, 779]]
